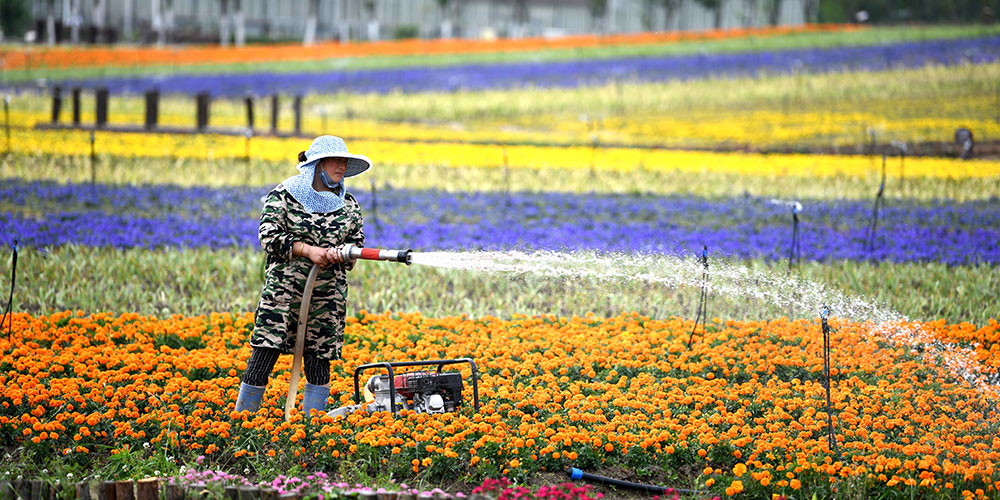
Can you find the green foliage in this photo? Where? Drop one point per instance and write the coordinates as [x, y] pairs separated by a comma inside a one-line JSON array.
[[200, 281], [15, 16], [930, 11]]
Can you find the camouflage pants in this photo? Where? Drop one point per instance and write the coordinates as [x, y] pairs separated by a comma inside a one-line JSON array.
[[276, 321]]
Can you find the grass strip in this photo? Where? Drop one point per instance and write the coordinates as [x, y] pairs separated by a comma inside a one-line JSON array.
[[200, 281]]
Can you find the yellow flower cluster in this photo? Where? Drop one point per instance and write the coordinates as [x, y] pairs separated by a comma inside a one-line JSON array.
[[208, 146]]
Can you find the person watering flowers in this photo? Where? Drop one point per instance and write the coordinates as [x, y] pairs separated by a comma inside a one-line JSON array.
[[304, 220]]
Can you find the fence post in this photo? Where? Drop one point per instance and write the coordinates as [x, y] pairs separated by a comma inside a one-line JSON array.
[[249, 102], [102, 107], [174, 492], [148, 489], [152, 109], [76, 106], [7, 491], [203, 100], [297, 106], [274, 114], [56, 103], [23, 488], [124, 490], [83, 490], [38, 489], [106, 491]]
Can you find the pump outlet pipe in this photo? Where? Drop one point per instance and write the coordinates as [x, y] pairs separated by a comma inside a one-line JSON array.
[[348, 252]]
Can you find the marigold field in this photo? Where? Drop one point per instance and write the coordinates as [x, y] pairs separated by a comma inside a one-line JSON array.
[[743, 408]]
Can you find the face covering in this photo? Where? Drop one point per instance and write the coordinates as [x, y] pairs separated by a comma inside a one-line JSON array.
[[301, 188]]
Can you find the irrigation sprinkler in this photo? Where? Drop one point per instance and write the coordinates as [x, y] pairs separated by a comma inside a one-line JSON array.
[[702, 311], [965, 143], [374, 203], [795, 248], [901, 146], [879, 203], [824, 314], [10, 299]]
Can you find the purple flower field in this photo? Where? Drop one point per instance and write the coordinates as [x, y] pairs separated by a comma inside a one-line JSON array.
[[567, 74], [744, 227]]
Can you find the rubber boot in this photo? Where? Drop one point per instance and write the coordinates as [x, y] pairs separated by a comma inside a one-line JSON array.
[[249, 398], [314, 397]]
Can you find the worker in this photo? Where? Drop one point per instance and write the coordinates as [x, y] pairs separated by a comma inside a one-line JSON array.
[[305, 220]]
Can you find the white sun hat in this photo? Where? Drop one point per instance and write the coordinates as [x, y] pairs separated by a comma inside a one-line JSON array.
[[329, 146]]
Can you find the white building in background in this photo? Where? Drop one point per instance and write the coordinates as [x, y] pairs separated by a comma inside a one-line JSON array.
[[239, 21]]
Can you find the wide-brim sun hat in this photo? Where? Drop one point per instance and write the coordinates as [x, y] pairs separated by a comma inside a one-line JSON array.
[[330, 146]]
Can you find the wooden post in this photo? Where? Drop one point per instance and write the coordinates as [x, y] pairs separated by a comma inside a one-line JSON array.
[[274, 114], [174, 492], [232, 493], [7, 491], [124, 490], [76, 106], [248, 493], [38, 490], [268, 494], [56, 103], [23, 488], [297, 107], [370, 495], [249, 102], [152, 109], [106, 491], [83, 490], [102, 107], [148, 489], [203, 101]]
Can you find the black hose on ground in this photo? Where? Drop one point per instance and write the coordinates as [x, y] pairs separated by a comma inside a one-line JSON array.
[[575, 473]]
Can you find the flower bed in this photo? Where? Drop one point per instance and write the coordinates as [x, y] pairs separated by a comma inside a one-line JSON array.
[[167, 216], [742, 411], [566, 73]]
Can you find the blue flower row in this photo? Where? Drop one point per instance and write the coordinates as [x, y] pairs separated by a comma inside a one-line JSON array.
[[570, 73], [745, 227]]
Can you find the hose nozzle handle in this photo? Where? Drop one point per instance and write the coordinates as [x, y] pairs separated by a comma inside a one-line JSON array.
[[352, 252]]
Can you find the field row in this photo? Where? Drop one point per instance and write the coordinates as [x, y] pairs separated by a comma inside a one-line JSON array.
[[200, 280], [49, 214], [744, 404]]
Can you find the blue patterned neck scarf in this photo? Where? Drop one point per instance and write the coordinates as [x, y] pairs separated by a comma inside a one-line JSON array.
[[301, 188]]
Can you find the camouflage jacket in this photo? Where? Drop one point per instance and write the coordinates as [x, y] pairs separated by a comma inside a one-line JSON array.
[[284, 221]]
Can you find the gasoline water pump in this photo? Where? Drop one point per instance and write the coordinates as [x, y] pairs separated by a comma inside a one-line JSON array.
[[422, 391]]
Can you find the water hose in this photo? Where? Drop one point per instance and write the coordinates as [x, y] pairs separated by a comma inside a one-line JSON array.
[[348, 253], [575, 474], [300, 342]]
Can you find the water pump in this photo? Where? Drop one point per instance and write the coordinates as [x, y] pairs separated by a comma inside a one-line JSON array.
[[423, 391]]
